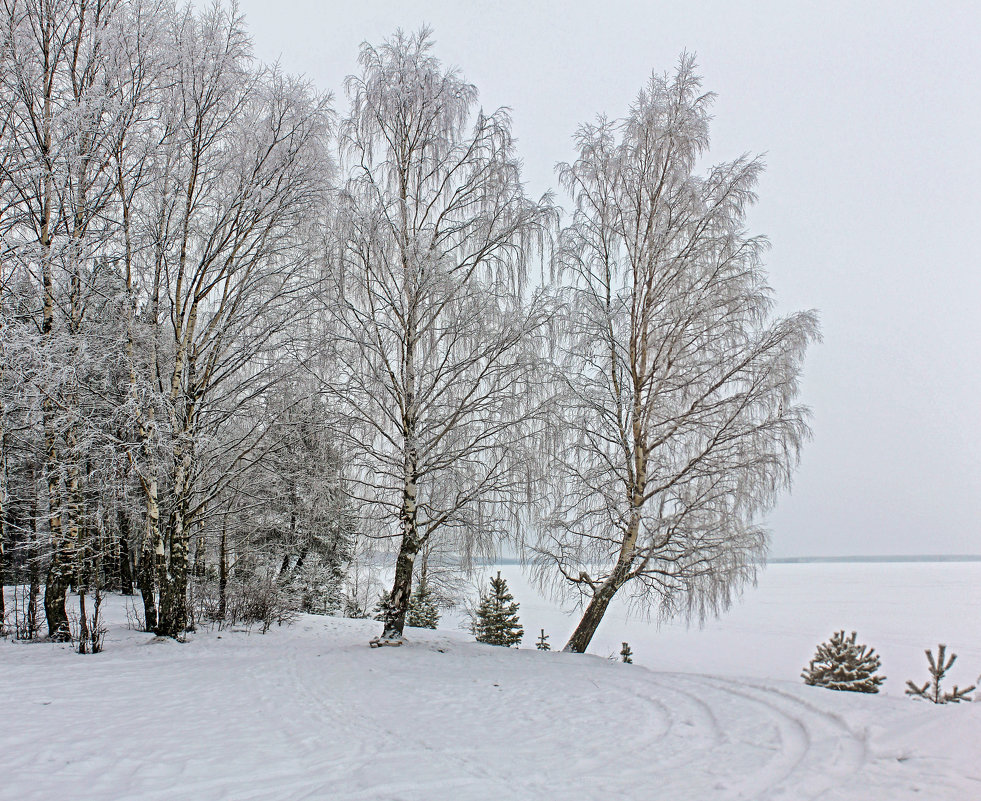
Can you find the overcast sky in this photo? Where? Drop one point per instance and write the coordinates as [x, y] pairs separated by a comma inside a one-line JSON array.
[[869, 114]]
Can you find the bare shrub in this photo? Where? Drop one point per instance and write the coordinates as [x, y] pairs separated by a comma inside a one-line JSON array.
[[258, 599]]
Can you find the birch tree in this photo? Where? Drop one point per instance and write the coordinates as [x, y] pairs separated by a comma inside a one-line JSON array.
[[677, 384], [243, 169], [430, 331]]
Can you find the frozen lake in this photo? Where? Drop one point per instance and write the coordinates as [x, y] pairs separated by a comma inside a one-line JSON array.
[[899, 609]]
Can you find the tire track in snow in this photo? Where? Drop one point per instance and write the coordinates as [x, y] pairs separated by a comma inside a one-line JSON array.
[[818, 752]]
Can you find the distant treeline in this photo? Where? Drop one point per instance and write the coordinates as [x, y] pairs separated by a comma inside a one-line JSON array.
[[904, 558]]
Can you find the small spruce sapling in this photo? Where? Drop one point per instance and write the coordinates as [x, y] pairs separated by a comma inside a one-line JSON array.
[[423, 611], [542, 644], [626, 655], [383, 607], [497, 616], [842, 664], [938, 669]]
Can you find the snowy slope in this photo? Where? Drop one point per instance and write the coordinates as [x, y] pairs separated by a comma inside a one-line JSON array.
[[310, 712]]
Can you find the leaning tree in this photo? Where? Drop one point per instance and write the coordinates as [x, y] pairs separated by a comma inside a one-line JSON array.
[[430, 354], [677, 385]]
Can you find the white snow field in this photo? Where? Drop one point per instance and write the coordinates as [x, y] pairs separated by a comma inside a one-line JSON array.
[[311, 712]]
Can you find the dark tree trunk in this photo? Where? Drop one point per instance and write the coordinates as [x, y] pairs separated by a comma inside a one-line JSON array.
[[581, 637], [222, 577], [401, 591], [34, 567], [125, 560], [172, 620], [55, 594], [3, 575], [83, 624], [145, 578]]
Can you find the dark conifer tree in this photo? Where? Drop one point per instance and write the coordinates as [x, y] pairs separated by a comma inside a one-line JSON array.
[[497, 616], [423, 610]]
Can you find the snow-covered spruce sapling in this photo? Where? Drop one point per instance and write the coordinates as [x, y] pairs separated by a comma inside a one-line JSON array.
[[423, 612], [542, 644], [626, 655], [497, 616], [842, 664], [938, 669]]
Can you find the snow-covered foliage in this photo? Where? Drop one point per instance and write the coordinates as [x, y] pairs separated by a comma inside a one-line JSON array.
[[250, 353], [423, 610], [842, 664]]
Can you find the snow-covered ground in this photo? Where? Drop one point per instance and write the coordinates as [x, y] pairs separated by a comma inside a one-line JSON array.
[[310, 712]]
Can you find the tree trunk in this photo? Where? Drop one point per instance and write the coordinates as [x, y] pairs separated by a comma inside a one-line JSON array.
[[147, 586], [3, 578], [401, 591], [222, 577], [402, 586], [125, 559], [172, 621], [591, 617], [34, 563], [83, 624], [3, 510], [581, 637]]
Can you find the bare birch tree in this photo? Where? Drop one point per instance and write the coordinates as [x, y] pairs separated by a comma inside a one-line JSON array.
[[677, 385], [243, 169], [431, 332]]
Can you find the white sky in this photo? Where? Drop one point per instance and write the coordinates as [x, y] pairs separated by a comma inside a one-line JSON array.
[[869, 114]]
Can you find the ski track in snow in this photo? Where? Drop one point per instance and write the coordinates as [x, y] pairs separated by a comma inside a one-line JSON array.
[[311, 713]]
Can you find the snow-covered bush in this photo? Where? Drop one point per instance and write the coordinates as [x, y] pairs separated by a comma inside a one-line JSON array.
[[938, 669], [842, 664]]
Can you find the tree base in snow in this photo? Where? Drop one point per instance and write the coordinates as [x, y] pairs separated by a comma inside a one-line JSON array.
[[379, 642]]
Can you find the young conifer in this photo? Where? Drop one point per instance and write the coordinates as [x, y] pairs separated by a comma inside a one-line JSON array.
[[497, 616], [938, 669], [626, 655], [423, 611], [842, 664], [542, 644]]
